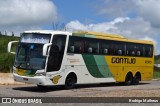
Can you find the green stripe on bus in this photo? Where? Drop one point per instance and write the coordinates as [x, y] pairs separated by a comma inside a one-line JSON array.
[[85, 35], [82, 35], [92, 66], [90, 36], [102, 66]]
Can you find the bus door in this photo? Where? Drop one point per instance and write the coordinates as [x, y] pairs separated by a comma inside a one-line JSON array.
[[56, 53]]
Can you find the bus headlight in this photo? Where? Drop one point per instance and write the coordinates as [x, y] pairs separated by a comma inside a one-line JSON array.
[[41, 74]]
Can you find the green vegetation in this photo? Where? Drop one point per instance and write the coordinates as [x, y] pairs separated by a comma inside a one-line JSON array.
[[6, 59], [156, 73], [157, 59]]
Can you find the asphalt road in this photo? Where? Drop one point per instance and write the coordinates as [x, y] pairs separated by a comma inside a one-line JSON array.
[[144, 89], [100, 90]]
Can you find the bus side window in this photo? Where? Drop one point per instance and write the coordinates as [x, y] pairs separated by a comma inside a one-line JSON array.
[[148, 50], [72, 49], [75, 45], [118, 48], [91, 46], [81, 48], [139, 49], [138, 53], [105, 51], [105, 47], [119, 52], [131, 49], [132, 53], [56, 53], [127, 52], [89, 50], [70, 45]]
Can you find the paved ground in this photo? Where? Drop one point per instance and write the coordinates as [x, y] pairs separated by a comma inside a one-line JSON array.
[[145, 89]]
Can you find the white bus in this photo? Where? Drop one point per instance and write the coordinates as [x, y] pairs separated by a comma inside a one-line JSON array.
[[48, 58]]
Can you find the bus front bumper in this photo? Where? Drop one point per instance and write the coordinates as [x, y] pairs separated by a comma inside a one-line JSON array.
[[39, 80]]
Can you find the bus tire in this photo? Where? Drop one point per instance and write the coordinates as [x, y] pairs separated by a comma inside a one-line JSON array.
[[70, 81], [129, 79], [136, 79]]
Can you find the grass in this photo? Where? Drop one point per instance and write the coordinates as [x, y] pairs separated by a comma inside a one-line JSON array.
[[156, 73], [157, 61]]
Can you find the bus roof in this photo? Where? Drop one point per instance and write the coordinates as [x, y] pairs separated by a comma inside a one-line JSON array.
[[100, 34], [91, 34], [48, 32], [109, 37]]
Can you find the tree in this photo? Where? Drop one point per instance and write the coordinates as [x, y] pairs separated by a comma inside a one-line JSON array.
[[12, 34], [5, 33], [0, 33]]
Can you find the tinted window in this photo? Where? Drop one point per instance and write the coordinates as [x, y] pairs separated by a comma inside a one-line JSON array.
[[91, 46], [130, 49], [56, 53], [148, 50], [139, 50], [76, 45], [106, 47], [133, 49], [119, 48]]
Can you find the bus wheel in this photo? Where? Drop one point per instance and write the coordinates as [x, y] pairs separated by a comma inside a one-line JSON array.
[[70, 81], [136, 79], [128, 79]]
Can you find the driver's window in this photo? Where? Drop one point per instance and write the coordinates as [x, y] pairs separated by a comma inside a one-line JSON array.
[[56, 53]]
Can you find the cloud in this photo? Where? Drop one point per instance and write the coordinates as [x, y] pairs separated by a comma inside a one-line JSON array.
[[99, 27], [146, 9], [130, 28], [115, 8], [149, 10], [17, 29], [16, 14]]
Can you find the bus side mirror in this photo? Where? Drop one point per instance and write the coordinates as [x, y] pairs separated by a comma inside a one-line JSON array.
[[45, 49], [10, 46]]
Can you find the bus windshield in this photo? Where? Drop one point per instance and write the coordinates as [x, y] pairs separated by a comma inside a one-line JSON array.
[[29, 56], [29, 51]]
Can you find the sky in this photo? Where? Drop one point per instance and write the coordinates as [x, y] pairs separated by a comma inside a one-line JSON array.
[[135, 19]]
